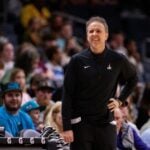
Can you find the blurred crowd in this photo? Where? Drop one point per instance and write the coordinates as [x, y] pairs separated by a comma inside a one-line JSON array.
[[36, 45]]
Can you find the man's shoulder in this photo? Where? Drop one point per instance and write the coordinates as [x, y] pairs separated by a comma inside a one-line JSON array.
[[83, 54], [1, 108], [23, 114], [3, 114], [115, 55], [2, 111]]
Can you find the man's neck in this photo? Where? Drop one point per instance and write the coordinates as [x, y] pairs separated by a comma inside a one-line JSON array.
[[97, 50], [12, 112]]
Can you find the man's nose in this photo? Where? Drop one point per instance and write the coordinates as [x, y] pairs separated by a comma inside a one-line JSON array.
[[94, 33], [14, 97]]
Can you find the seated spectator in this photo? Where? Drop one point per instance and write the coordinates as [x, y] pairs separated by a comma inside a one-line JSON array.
[[18, 75], [127, 138], [117, 43], [33, 32], [33, 109], [11, 117], [127, 118], [66, 36], [44, 97], [28, 60], [6, 53], [33, 85], [54, 118], [36, 9], [54, 56], [56, 23]]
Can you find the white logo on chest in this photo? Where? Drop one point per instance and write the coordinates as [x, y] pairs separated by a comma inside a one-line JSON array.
[[109, 67], [85, 67]]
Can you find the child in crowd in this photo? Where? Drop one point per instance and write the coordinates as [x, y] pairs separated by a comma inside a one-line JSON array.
[[33, 109]]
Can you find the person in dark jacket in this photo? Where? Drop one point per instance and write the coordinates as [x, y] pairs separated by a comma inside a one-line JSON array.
[[89, 91]]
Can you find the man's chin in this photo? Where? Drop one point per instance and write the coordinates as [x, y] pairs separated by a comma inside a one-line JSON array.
[[12, 109]]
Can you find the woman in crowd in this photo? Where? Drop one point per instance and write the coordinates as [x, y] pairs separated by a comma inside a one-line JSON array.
[[127, 137]]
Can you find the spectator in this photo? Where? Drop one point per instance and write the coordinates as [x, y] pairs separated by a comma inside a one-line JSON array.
[[127, 138], [56, 23], [36, 9], [44, 97], [11, 117], [33, 85], [28, 60], [54, 64], [33, 109], [33, 32], [6, 53], [18, 75], [127, 118], [54, 118], [66, 35], [117, 43]]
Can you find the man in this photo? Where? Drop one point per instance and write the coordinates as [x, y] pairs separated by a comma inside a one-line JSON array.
[[11, 117], [44, 97], [89, 91]]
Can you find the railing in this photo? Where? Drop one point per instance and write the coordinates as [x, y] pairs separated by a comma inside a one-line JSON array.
[[70, 17]]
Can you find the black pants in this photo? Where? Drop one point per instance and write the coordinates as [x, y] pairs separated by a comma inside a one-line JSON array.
[[89, 137]]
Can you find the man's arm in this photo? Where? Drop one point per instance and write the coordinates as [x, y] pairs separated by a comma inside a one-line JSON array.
[[129, 76], [68, 94]]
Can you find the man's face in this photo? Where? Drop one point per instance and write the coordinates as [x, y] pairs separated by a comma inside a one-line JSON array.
[[96, 36], [13, 100], [43, 96]]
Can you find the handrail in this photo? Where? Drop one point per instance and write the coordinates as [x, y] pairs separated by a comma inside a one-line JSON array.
[[71, 17]]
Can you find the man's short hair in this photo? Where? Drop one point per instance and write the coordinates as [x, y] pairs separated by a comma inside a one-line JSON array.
[[97, 19]]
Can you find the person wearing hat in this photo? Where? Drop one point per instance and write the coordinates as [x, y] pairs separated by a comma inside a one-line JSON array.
[[11, 117], [33, 109], [44, 97]]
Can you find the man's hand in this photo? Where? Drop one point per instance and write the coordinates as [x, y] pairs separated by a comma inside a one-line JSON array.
[[113, 104], [68, 136]]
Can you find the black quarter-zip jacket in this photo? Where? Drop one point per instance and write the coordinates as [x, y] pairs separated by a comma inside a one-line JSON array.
[[90, 81]]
